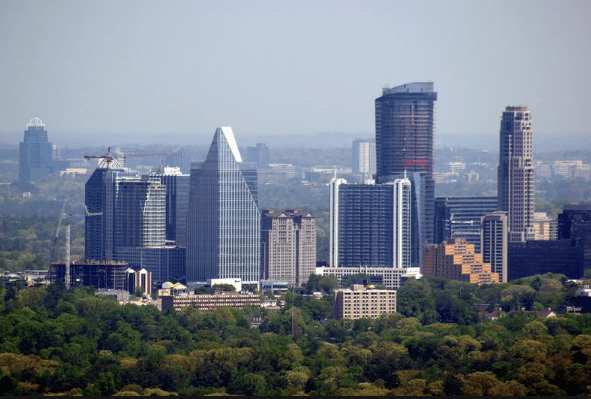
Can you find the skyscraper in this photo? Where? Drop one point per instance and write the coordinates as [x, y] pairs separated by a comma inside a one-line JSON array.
[[516, 173], [177, 202], [126, 221], [101, 222], [494, 243], [404, 142], [370, 224], [288, 239], [224, 219], [36, 153], [258, 154]]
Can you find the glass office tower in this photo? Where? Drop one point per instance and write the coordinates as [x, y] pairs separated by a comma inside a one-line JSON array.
[[404, 143], [224, 218]]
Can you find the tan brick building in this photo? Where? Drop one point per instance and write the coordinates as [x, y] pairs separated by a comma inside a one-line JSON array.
[[288, 245], [455, 259], [360, 302]]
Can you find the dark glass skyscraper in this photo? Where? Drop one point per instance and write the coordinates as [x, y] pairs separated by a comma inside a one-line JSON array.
[[123, 211], [224, 218], [101, 222], [404, 142]]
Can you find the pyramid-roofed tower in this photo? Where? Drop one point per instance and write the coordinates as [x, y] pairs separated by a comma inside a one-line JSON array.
[[223, 228]]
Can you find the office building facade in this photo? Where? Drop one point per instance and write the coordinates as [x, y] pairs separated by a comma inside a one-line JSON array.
[[494, 243], [572, 218], [460, 217], [164, 262], [220, 299], [370, 224], [288, 245], [391, 278], [107, 275], [124, 210], [126, 222], [101, 220], [529, 258], [516, 173], [223, 230], [404, 143], [177, 202]]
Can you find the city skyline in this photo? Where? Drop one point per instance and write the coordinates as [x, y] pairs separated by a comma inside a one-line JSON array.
[[110, 78]]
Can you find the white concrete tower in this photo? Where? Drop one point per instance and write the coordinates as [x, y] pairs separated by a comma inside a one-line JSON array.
[[334, 221]]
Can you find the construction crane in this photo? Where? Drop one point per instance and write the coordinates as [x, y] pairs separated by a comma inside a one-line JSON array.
[[63, 216], [57, 231], [109, 160]]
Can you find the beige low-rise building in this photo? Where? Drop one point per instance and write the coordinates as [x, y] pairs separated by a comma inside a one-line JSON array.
[[218, 299], [360, 302]]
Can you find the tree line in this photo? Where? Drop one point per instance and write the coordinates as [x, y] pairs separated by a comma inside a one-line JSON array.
[[56, 341]]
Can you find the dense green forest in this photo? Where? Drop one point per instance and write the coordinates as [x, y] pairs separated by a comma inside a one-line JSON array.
[[55, 341]]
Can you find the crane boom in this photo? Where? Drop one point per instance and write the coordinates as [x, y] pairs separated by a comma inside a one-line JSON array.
[[57, 231], [159, 154], [109, 159]]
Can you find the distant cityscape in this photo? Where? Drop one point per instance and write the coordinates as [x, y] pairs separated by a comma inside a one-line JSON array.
[[199, 222]]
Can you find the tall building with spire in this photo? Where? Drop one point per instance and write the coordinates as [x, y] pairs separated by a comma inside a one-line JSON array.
[[224, 222], [404, 143], [516, 173]]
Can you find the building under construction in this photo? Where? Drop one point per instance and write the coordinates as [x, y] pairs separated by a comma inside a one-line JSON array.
[[100, 274]]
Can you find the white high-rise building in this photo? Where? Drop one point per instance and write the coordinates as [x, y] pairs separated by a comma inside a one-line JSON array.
[[334, 221], [370, 224], [516, 173]]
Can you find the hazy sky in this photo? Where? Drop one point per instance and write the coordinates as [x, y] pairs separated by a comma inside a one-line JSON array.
[[288, 67]]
